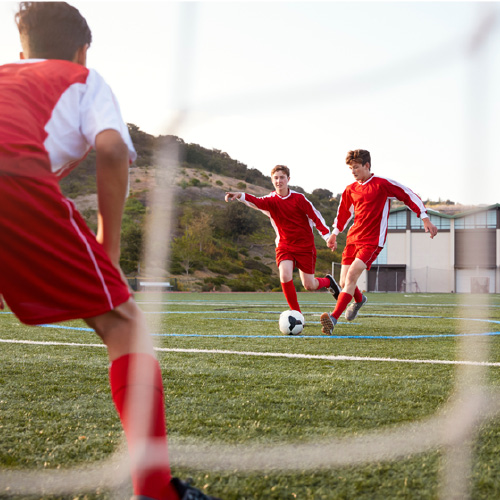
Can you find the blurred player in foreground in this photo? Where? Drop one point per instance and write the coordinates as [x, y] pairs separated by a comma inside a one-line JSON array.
[[53, 110], [368, 200], [292, 217]]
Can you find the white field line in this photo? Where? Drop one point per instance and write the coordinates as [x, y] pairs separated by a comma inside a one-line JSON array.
[[273, 354]]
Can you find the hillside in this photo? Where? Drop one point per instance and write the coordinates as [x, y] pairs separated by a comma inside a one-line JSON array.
[[214, 245]]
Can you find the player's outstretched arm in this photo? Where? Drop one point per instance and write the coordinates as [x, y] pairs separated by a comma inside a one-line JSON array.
[[429, 227], [112, 186], [232, 195]]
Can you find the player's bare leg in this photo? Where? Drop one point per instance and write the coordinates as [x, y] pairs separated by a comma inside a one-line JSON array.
[[349, 276], [311, 283], [353, 274], [285, 269], [123, 330]]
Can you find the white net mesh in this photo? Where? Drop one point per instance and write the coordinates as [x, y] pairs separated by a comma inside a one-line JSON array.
[[453, 429]]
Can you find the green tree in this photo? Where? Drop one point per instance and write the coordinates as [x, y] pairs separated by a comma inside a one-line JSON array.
[[236, 220], [185, 250]]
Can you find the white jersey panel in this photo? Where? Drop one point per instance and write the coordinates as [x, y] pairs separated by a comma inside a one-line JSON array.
[[83, 111]]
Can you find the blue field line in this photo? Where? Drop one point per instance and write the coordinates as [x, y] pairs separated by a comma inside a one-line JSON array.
[[366, 315], [263, 320], [199, 312], [488, 320], [309, 303], [63, 327], [324, 337], [329, 337]]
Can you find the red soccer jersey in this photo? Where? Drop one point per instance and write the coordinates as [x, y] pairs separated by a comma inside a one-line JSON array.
[[292, 217], [50, 114], [53, 268], [369, 202]]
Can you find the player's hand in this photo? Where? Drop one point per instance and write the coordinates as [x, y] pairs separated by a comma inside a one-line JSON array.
[[430, 228], [2, 303], [230, 196], [331, 242]]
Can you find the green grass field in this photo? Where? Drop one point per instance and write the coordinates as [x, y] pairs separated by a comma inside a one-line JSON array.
[[56, 411]]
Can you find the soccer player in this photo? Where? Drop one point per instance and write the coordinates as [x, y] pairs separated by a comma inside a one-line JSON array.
[[368, 200], [53, 110], [292, 217]]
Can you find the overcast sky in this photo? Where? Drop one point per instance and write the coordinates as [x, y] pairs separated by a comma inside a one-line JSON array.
[[301, 83]]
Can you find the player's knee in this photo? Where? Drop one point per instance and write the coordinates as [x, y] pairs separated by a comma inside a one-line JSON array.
[[125, 318], [310, 286]]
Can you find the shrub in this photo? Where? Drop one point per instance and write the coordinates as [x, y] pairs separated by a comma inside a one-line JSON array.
[[241, 284], [258, 266], [224, 267], [176, 268], [232, 253]]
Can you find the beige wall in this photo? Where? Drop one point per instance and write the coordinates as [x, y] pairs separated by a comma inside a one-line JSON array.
[[429, 262], [465, 278]]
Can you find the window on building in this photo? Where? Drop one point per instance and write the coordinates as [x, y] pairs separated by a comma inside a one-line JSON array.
[[491, 218], [442, 223], [479, 220], [397, 220]]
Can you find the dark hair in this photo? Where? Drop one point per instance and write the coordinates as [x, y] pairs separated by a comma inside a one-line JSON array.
[[284, 169], [52, 30], [358, 156]]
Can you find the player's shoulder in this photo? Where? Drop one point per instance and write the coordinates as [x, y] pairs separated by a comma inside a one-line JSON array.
[[272, 194], [56, 67], [385, 181], [382, 179], [53, 73], [296, 194]]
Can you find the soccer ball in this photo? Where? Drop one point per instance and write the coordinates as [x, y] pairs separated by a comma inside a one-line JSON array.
[[291, 322]]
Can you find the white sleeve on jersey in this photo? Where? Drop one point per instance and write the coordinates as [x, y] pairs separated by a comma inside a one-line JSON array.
[[83, 111]]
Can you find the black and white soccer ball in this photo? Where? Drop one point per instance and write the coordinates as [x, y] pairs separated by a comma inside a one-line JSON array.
[[291, 322]]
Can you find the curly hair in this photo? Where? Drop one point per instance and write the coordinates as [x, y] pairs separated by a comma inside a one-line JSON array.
[[284, 169], [358, 156], [51, 30]]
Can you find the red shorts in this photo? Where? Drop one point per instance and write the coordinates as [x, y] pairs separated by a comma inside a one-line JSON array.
[[53, 269], [305, 261], [367, 253]]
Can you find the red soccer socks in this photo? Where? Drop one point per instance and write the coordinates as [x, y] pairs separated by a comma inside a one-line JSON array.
[[137, 391], [342, 303], [290, 295], [323, 283], [358, 296]]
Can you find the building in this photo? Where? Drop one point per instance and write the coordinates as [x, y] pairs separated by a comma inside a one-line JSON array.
[[464, 257]]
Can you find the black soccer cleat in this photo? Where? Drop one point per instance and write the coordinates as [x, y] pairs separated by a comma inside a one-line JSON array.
[[184, 490], [334, 288], [188, 492]]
